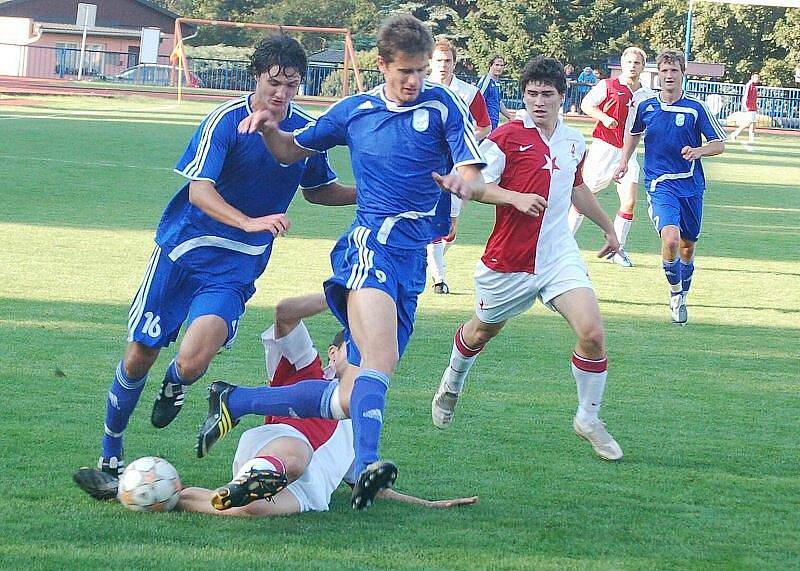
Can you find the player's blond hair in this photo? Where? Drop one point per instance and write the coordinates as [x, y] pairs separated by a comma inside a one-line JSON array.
[[671, 56], [634, 50], [444, 45]]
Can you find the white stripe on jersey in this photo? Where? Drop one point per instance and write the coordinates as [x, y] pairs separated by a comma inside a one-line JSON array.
[[197, 163], [390, 221], [672, 176], [715, 124], [139, 302], [216, 242], [484, 83], [469, 135], [360, 271]]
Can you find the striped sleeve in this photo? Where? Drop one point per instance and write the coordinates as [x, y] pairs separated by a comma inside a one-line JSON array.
[[458, 131], [206, 152], [484, 84], [709, 124]]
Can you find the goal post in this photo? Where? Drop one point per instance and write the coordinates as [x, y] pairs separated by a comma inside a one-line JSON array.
[[350, 62]]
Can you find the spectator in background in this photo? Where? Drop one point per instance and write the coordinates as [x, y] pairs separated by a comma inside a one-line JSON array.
[[569, 98], [749, 111], [586, 80]]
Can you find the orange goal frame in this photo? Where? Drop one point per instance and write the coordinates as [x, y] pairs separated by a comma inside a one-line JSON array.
[[349, 50]]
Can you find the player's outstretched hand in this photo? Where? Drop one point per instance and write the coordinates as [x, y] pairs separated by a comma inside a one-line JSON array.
[[275, 224], [453, 503], [454, 184], [690, 153], [620, 171], [611, 246], [262, 120], [530, 204]]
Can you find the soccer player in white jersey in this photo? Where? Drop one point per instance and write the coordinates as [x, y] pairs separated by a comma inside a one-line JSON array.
[[528, 258], [405, 137], [611, 102], [443, 65], [297, 463], [674, 125], [214, 239]]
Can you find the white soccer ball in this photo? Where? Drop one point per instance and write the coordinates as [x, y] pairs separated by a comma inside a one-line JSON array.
[[149, 484]]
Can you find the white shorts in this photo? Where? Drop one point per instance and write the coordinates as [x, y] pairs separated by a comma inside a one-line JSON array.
[[329, 463], [503, 295], [601, 161]]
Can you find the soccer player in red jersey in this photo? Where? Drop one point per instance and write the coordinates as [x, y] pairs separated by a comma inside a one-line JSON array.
[[530, 257], [610, 102], [749, 110]]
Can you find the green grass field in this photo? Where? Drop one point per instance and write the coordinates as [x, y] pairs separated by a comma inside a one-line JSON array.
[[707, 414]]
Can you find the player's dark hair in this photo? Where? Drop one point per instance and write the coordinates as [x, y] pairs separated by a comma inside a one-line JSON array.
[[338, 339], [671, 56], [278, 50], [405, 34], [494, 58], [544, 70]]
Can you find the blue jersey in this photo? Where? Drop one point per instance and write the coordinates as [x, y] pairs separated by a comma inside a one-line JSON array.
[[490, 89], [393, 151], [249, 178], [667, 129]]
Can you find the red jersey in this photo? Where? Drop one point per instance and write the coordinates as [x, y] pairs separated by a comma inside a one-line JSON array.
[[750, 96], [616, 102], [474, 100], [292, 359], [519, 158]]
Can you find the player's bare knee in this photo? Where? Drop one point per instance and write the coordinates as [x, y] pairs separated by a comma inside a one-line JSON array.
[[191, 367], [592, 340], [294, 465], [138, 360]]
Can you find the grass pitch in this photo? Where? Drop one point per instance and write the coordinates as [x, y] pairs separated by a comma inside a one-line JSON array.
[[706, 414]]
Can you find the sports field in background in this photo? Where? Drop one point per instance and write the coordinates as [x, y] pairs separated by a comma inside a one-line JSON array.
[[707, 414]]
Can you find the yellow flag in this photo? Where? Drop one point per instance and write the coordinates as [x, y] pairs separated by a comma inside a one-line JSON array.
[[177, 52]]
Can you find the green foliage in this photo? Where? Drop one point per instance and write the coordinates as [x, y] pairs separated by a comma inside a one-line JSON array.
[[582, 32], [367, 63]]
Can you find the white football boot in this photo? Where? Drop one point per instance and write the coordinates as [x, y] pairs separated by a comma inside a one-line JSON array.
[[596, 434]]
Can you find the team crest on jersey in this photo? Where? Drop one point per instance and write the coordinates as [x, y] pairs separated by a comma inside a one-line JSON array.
[[680, 119], [420, 120]]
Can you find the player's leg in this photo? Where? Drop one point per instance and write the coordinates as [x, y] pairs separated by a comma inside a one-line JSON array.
[[469, 341], [665, 212], [589, 367], [597, 175], [199, 500], [437, 266], [213, 316], [154, 319], [499, 297], [691, 222], [627, 189]]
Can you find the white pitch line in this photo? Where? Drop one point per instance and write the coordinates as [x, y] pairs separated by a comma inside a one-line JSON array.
[[102, 119], [84, 163], [764, 208]]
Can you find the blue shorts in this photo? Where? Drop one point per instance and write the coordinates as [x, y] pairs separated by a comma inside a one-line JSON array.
[[169, 295], [359, 261], [668, 209]]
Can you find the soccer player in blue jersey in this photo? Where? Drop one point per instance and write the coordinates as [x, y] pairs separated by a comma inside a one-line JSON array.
[[674, 125], [489, 86], [214, 239], [405, 136]]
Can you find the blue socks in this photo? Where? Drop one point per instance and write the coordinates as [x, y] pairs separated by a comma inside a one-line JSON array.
[[306, 399], [673, 272], [367, 403], [687, 269], [123, 395]]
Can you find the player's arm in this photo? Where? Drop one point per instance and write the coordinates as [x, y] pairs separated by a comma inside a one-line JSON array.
[[203, 194], [505, 112], [629, 144], [527, 203], [333, 194], [591, 106], [290, 311], [390, 494], [586, 203], [710, 149], [280, 143]]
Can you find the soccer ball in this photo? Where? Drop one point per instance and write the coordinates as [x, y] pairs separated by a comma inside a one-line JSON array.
[[149, 484]]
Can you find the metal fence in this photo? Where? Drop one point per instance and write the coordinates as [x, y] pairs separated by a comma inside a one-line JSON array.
[[780, 106]]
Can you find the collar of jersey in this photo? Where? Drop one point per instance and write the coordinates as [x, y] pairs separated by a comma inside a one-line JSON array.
[[527, 121], [392, 106]]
